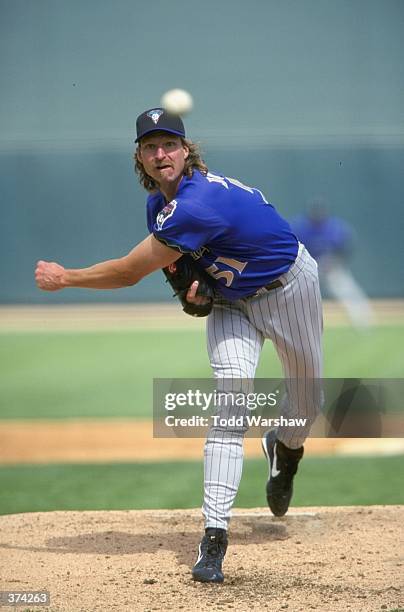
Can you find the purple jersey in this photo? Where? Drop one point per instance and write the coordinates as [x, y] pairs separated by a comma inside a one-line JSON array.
[[229, 229], [323, 237]]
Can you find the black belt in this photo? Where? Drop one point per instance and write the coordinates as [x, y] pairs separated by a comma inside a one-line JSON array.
[[274, 285]]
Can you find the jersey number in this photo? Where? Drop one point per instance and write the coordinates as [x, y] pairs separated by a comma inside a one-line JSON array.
[[228, 275]]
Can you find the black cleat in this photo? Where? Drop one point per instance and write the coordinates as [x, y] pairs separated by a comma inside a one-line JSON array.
[[212, 549], [282, 463]]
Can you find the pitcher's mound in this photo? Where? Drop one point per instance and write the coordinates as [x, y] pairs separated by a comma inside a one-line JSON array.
[[325, 559]]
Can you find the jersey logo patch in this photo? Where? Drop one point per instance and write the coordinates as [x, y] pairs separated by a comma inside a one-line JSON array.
[[165, 213], [199, 253], [155, 115]]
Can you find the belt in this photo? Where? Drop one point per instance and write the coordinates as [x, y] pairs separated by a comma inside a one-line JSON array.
[[274, 285]]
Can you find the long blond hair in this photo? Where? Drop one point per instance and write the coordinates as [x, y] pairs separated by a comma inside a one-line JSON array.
[[193, 162]]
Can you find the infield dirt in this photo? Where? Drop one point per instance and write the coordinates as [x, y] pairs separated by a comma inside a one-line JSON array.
[[325, 559]]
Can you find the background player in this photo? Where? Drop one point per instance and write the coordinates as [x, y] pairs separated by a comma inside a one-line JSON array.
[[267, 287], [329, 240]]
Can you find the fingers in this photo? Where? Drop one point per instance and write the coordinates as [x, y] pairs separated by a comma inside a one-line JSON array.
[[40, 275], [48, 276], [40, 264], [191, 295], [38, 270], [193, 298]]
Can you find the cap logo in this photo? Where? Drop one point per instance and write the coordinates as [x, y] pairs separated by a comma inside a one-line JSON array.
[[155, 115]]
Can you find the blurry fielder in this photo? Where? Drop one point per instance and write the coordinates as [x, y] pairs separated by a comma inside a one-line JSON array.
[[329, 240], [266, 287]]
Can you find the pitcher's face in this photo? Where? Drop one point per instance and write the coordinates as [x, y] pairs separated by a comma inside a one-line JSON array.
[[163, 157]]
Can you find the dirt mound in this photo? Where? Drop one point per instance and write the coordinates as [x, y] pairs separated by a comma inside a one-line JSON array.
[[328, 559]]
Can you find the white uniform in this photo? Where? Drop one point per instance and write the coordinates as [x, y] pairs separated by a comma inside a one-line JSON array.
[[290, 316]]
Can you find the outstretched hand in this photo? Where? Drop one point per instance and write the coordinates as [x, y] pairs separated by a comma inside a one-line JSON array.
[[49, 276]]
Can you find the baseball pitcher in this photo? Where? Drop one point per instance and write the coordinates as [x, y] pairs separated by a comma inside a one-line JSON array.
[[229, 256]]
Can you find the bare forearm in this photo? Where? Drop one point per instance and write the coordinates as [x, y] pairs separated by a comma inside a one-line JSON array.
[[146, 257], [111, 274]]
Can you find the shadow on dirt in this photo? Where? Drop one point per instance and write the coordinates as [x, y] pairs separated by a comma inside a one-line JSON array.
[[183, 544]]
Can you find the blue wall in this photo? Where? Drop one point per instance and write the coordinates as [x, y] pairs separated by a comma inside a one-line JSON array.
[[300, 98]]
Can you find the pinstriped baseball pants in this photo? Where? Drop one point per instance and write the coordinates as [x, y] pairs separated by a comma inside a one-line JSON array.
[[291, 317]]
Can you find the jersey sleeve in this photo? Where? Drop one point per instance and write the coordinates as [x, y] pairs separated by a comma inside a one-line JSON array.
[[186, 225], [154, 202]]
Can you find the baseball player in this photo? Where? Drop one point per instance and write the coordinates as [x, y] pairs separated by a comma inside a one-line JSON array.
[[265, 287], [329, 240]]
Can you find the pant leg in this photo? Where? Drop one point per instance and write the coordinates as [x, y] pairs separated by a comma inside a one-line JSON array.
[[291, 316], [234, 347], [343, 287]]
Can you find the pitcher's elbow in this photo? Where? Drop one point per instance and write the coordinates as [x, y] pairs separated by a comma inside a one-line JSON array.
[[130, 278]]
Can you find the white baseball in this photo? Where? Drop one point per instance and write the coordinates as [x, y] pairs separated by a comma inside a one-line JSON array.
[[177, 101]]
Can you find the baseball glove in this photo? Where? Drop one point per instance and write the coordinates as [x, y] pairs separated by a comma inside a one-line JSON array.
[[181, 274]]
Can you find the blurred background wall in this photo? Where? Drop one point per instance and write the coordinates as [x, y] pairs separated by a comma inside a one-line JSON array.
[[302, 98]]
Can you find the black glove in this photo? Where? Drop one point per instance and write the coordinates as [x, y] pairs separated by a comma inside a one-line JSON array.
[[181, 274]]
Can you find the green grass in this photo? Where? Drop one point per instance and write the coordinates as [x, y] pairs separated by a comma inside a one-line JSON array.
[[110, 374], [320, 481]]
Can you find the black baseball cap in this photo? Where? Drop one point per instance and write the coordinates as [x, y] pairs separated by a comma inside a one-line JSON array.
[[158, 120]]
